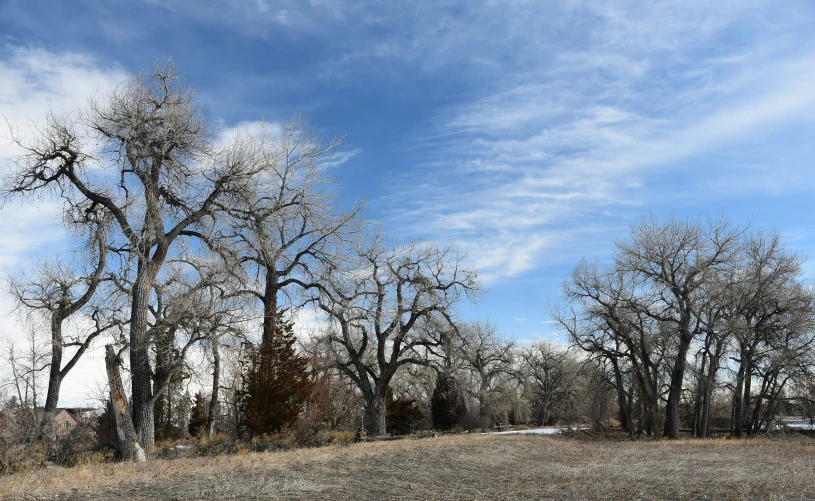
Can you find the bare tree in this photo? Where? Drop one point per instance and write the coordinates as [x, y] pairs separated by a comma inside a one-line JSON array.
[[58, 293], [485, 358], [600, 320], [386, 308], [157, 174], [770, 305], [286, 227], [550, 377], [26, 363], [671, 262]]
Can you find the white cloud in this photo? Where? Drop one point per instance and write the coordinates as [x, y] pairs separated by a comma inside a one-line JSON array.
[[32, 82], [567, 146]]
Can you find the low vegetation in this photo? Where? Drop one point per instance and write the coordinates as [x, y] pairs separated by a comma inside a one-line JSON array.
[[455, 467]]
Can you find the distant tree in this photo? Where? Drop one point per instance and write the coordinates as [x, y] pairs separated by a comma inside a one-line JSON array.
[[199, 415], [551, 379], [486, 360], [447, 404], [276, 383]]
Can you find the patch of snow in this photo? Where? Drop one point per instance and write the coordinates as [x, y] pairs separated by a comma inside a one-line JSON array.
[[536, 431]]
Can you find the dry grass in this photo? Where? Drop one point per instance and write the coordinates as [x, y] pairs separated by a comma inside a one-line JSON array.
[[454, 467]]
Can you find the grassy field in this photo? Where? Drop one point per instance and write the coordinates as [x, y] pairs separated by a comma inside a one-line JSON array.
[[454, 467]]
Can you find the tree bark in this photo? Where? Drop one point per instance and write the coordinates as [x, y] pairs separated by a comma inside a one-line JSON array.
[[626, 421], [675, 390], [216, 384], [269, 305], [141, 375], [54, 381], [738, 395], [374, 417], [129, 447]]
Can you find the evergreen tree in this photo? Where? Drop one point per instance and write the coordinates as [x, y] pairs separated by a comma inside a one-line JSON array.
[[200, 413], [276, 382], [105, 427], [447, 404]]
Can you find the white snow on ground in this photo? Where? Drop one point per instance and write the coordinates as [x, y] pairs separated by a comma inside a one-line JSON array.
[[536, 431], [797, 424]]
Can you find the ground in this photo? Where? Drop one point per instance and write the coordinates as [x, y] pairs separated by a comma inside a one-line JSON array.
[[455, 467]]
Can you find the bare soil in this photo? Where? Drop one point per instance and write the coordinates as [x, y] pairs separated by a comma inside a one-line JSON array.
[[454, 467]]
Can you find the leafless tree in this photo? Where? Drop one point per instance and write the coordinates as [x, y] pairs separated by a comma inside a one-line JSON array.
[[486, 362], [57, 293], [550, 377], [27, 364], [386, 308], [670, 263], [156, 173], [599, 319], [287, 226], [771, 307]]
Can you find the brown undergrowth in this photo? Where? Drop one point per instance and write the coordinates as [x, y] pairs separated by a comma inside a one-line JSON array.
[[454, 467]]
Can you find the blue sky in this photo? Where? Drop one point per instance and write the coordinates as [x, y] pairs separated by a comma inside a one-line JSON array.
[[531, 133]]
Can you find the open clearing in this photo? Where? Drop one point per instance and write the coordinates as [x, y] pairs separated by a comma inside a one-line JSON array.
[[454, 467]]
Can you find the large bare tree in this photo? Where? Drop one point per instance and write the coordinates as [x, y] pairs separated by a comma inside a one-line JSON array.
[[146, 155], [288, 226], [385, 309], [671, 263]]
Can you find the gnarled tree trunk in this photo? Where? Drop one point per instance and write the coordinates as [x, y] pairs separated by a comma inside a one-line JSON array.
[[129, 447]]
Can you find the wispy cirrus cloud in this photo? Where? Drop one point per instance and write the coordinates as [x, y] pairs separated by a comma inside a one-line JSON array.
[[566, 147]]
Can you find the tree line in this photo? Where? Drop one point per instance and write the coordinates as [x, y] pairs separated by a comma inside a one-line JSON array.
[[196, 249], [700, 322]]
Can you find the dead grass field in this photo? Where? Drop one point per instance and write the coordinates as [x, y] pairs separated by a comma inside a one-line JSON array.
[[454, 467]]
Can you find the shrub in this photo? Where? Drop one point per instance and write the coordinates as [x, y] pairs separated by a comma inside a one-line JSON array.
[[404, 415]]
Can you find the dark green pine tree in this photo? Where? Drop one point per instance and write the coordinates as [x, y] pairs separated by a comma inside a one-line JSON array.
[[447, 405], [199, 414], [276, 382], [105, 427]]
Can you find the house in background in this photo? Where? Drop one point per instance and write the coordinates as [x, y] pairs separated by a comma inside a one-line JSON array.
[[16, 422], [67, 419]]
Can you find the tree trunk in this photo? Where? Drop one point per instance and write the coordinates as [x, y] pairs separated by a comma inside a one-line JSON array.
[[738, 395], [54, 382], [543, 413], [699, 397], [710, 384], [216, 384], [129, 447], [626, 421], [746, 398], [269, 305], [141, 381], [675, 390], [374, 417]]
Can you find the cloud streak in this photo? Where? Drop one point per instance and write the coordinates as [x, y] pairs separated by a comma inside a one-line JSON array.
[[556, 148]]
